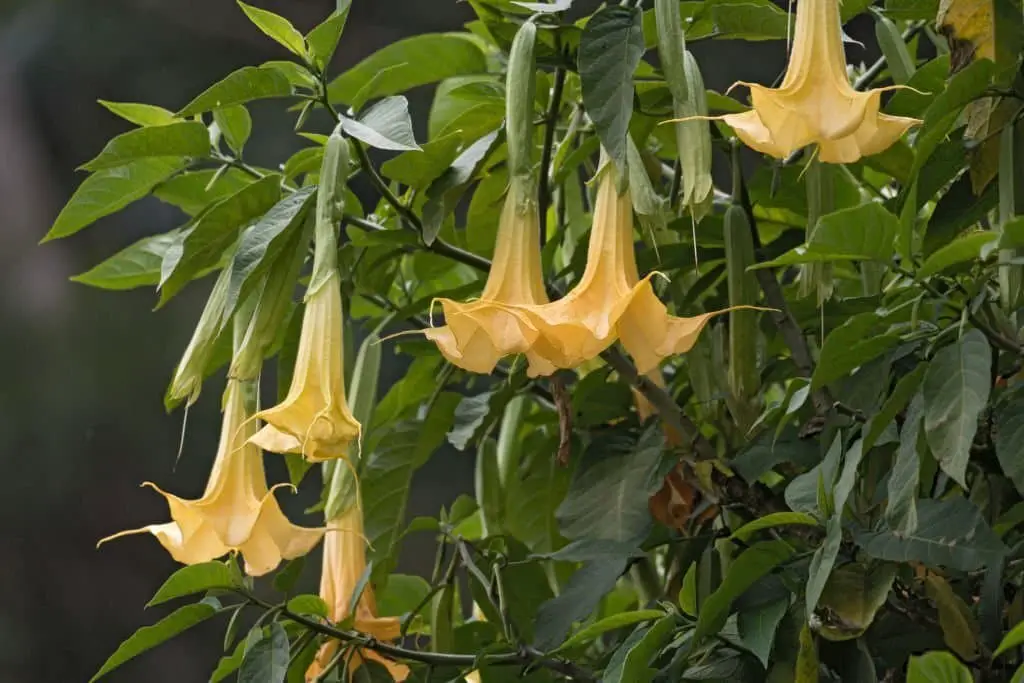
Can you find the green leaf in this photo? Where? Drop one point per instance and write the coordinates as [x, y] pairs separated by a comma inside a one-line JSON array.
[[850, 346], [401, 594], [267, 660], [1011, 640], [1009, 439], [754, 563], [961, 250], [956, 390], [149, 637], [610, 50], [610, 623], [944, 111], [323, 40], [196, 578], [183, 139], [937, 667], [262, 243], [214, 231], [901, 395], [193, 191], [418, 168], [756, 627], [229, 664], [245, 85], [109, 191], [532, 494], [771, 520], [862, 233], [608, 496], [909, 10], [444, 194], [140, 114], [308, 604], [950, 533], [631, 662], [135, 266], [852, 597], [748, 21], [901, 511], [579, 596], [235, 124], [385, 125], [277, 27], [409, 63]]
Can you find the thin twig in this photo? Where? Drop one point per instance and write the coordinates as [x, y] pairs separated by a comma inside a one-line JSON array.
[[551, 125]]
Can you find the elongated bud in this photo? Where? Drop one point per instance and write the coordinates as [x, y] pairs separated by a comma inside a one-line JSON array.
[[330, 206], [1011, 203], [519, 95], [689, 99], [744, 378], [897, 56], [191, 370]]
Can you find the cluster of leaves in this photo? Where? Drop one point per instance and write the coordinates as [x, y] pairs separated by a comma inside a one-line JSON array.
[[861, 508]]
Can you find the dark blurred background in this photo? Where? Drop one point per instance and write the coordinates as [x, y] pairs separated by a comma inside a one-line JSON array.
[[81, 419]]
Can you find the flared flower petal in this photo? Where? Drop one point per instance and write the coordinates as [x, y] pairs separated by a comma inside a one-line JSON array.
[[237, 512], [314, 418], [609, 302], [344, 562], [815, 104], [477, 334]]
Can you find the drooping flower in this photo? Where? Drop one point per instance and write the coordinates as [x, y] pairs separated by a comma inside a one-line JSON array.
[[237, 512], [609, 302], [314, 419], [477, 334], [343, 566], [816, 103]]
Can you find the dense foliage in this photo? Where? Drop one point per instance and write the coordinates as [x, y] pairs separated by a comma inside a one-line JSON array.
[[825, 483]]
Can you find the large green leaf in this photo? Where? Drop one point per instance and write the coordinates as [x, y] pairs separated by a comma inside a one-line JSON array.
[[631, 662], [174, 140], [1009, 439], [193, 191], [267, 660], [744, 571], [323, 40], [757, 626], [264, 241], [408, 63], [901, 511], [579, 596], [140, 114], [608, 496], [385, 125], [196, 578], [944, 111], [950, 533], [862, 233], [137, 265], [245, 85], [750, 21], [852, 597], [109, 191], [610, 50], [937, 667], [964, 249], [203, 243], [418, 168], [532, 494], [615, 621], [149, 637], [956, 390], [849, 346]]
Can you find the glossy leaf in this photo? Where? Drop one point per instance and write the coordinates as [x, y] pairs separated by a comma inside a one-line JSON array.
[[385, 125], [137, 265], [174, 140], [196, 578], [245, 85]]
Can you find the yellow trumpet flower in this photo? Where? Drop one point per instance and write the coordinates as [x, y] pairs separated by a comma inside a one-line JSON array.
[[610, 301], [237, 512], [477, 334], [816, 103], [343, 565], [314, 418]]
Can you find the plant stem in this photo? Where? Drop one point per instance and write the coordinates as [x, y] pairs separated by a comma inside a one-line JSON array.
[[551, 125]]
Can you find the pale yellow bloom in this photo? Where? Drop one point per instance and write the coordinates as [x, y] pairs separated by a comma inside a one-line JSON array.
[[237, 512], [343, 565], [314, 419], [477, 334], [816, 103], [609, 302]]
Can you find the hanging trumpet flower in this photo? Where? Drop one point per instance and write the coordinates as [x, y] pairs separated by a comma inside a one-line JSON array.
[[816, 103], [477, 334], [610, 301], [314, 418], [236, 512], [343, 566]]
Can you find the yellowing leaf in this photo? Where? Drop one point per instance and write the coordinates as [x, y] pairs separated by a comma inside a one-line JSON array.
[[959, 628], [969, 25]]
